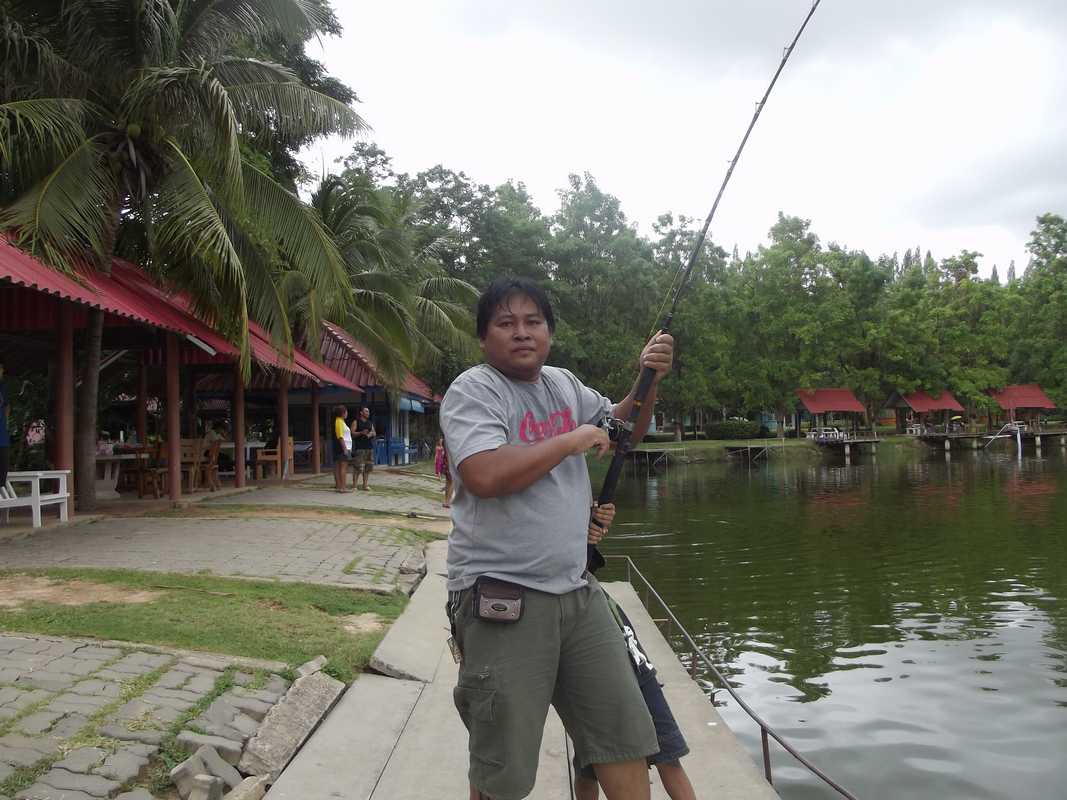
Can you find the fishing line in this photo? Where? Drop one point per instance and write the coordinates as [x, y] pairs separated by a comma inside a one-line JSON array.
[[622, 430], [733, 163]]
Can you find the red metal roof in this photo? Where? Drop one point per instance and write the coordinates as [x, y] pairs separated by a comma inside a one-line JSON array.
[[345, 354], [819, 401], [1023, 395], [127, 292], [164, 309], [176, 309], [324, 373], [22, 269], [922, 402]]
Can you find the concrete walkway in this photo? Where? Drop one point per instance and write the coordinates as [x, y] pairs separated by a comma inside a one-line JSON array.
[[412, 744], [392, 491], [375, 557]]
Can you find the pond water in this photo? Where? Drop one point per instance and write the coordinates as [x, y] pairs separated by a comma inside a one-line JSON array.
[[901, 621]]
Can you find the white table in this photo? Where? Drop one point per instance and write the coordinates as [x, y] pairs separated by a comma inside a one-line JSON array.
[[108, 467], [250, 445]]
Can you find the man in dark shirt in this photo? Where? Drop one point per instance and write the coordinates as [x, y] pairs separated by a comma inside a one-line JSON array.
[[363, 434]]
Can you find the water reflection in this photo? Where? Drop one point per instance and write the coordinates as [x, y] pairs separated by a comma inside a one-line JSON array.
[[901, 619]]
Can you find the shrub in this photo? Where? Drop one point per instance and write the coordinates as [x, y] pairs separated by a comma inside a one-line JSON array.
[[659, 436], [732, 429]]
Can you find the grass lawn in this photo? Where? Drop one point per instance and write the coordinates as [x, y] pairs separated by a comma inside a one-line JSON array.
[[287, 622]]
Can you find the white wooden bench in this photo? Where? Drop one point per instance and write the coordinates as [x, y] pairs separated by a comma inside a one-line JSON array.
[[36, 499]]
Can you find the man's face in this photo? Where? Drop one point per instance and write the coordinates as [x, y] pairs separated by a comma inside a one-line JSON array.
[[517, 340], [364, 414]]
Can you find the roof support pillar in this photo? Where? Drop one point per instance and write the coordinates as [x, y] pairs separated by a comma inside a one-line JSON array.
[[238, 418], [316, 442], [64, 447], [189, 403], [174, 422], [142, 403], [284, 453]]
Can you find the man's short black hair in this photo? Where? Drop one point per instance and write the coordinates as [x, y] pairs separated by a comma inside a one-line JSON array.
[[500, 293]]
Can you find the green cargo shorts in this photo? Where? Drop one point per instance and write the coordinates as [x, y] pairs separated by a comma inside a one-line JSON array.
[[567, 651]]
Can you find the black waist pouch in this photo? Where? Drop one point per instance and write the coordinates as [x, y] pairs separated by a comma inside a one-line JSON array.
[[497, 601]]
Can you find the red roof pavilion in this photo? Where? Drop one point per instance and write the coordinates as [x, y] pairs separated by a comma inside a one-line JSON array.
[[820, 401], [923, 403], [36, 297], [1022, 395]]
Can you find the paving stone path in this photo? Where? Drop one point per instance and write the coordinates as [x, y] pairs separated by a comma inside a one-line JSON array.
[[90, 718], [391, 491], [371, 557]]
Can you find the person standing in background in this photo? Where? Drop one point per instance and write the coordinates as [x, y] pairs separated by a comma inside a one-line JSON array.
[[342, 447], [363, 435], [440, 466]]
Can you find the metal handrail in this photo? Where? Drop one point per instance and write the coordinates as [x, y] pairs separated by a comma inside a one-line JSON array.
[[765, 729]]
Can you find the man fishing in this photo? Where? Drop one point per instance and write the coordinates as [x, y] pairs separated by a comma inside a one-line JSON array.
[[531, 626]]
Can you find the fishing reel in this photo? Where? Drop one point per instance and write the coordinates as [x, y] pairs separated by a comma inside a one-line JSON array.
[[615, 426]]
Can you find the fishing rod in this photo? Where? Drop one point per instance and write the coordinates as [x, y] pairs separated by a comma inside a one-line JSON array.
[[621, 431]]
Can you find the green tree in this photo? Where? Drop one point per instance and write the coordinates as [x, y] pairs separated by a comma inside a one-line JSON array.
[[698, 381], [605, 287], [971, 319], [448, 203], [1038, 352], [125, 119], [414, 301], [510, 236]]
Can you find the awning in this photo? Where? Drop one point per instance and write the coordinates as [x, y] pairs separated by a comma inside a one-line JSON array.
[[820, 401]]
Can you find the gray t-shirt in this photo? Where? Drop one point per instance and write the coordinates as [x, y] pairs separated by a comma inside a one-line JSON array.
[[535, 537]]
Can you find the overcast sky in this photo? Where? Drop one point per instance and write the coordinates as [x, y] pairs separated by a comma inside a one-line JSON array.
[[938, 123]]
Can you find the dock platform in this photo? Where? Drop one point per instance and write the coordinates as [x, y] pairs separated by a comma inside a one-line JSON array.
[[400, 738], [657, 456], [967, 440], [848, 444]]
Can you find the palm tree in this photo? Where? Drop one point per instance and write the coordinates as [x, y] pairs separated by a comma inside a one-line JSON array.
[[126, 124], [409, 293]]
